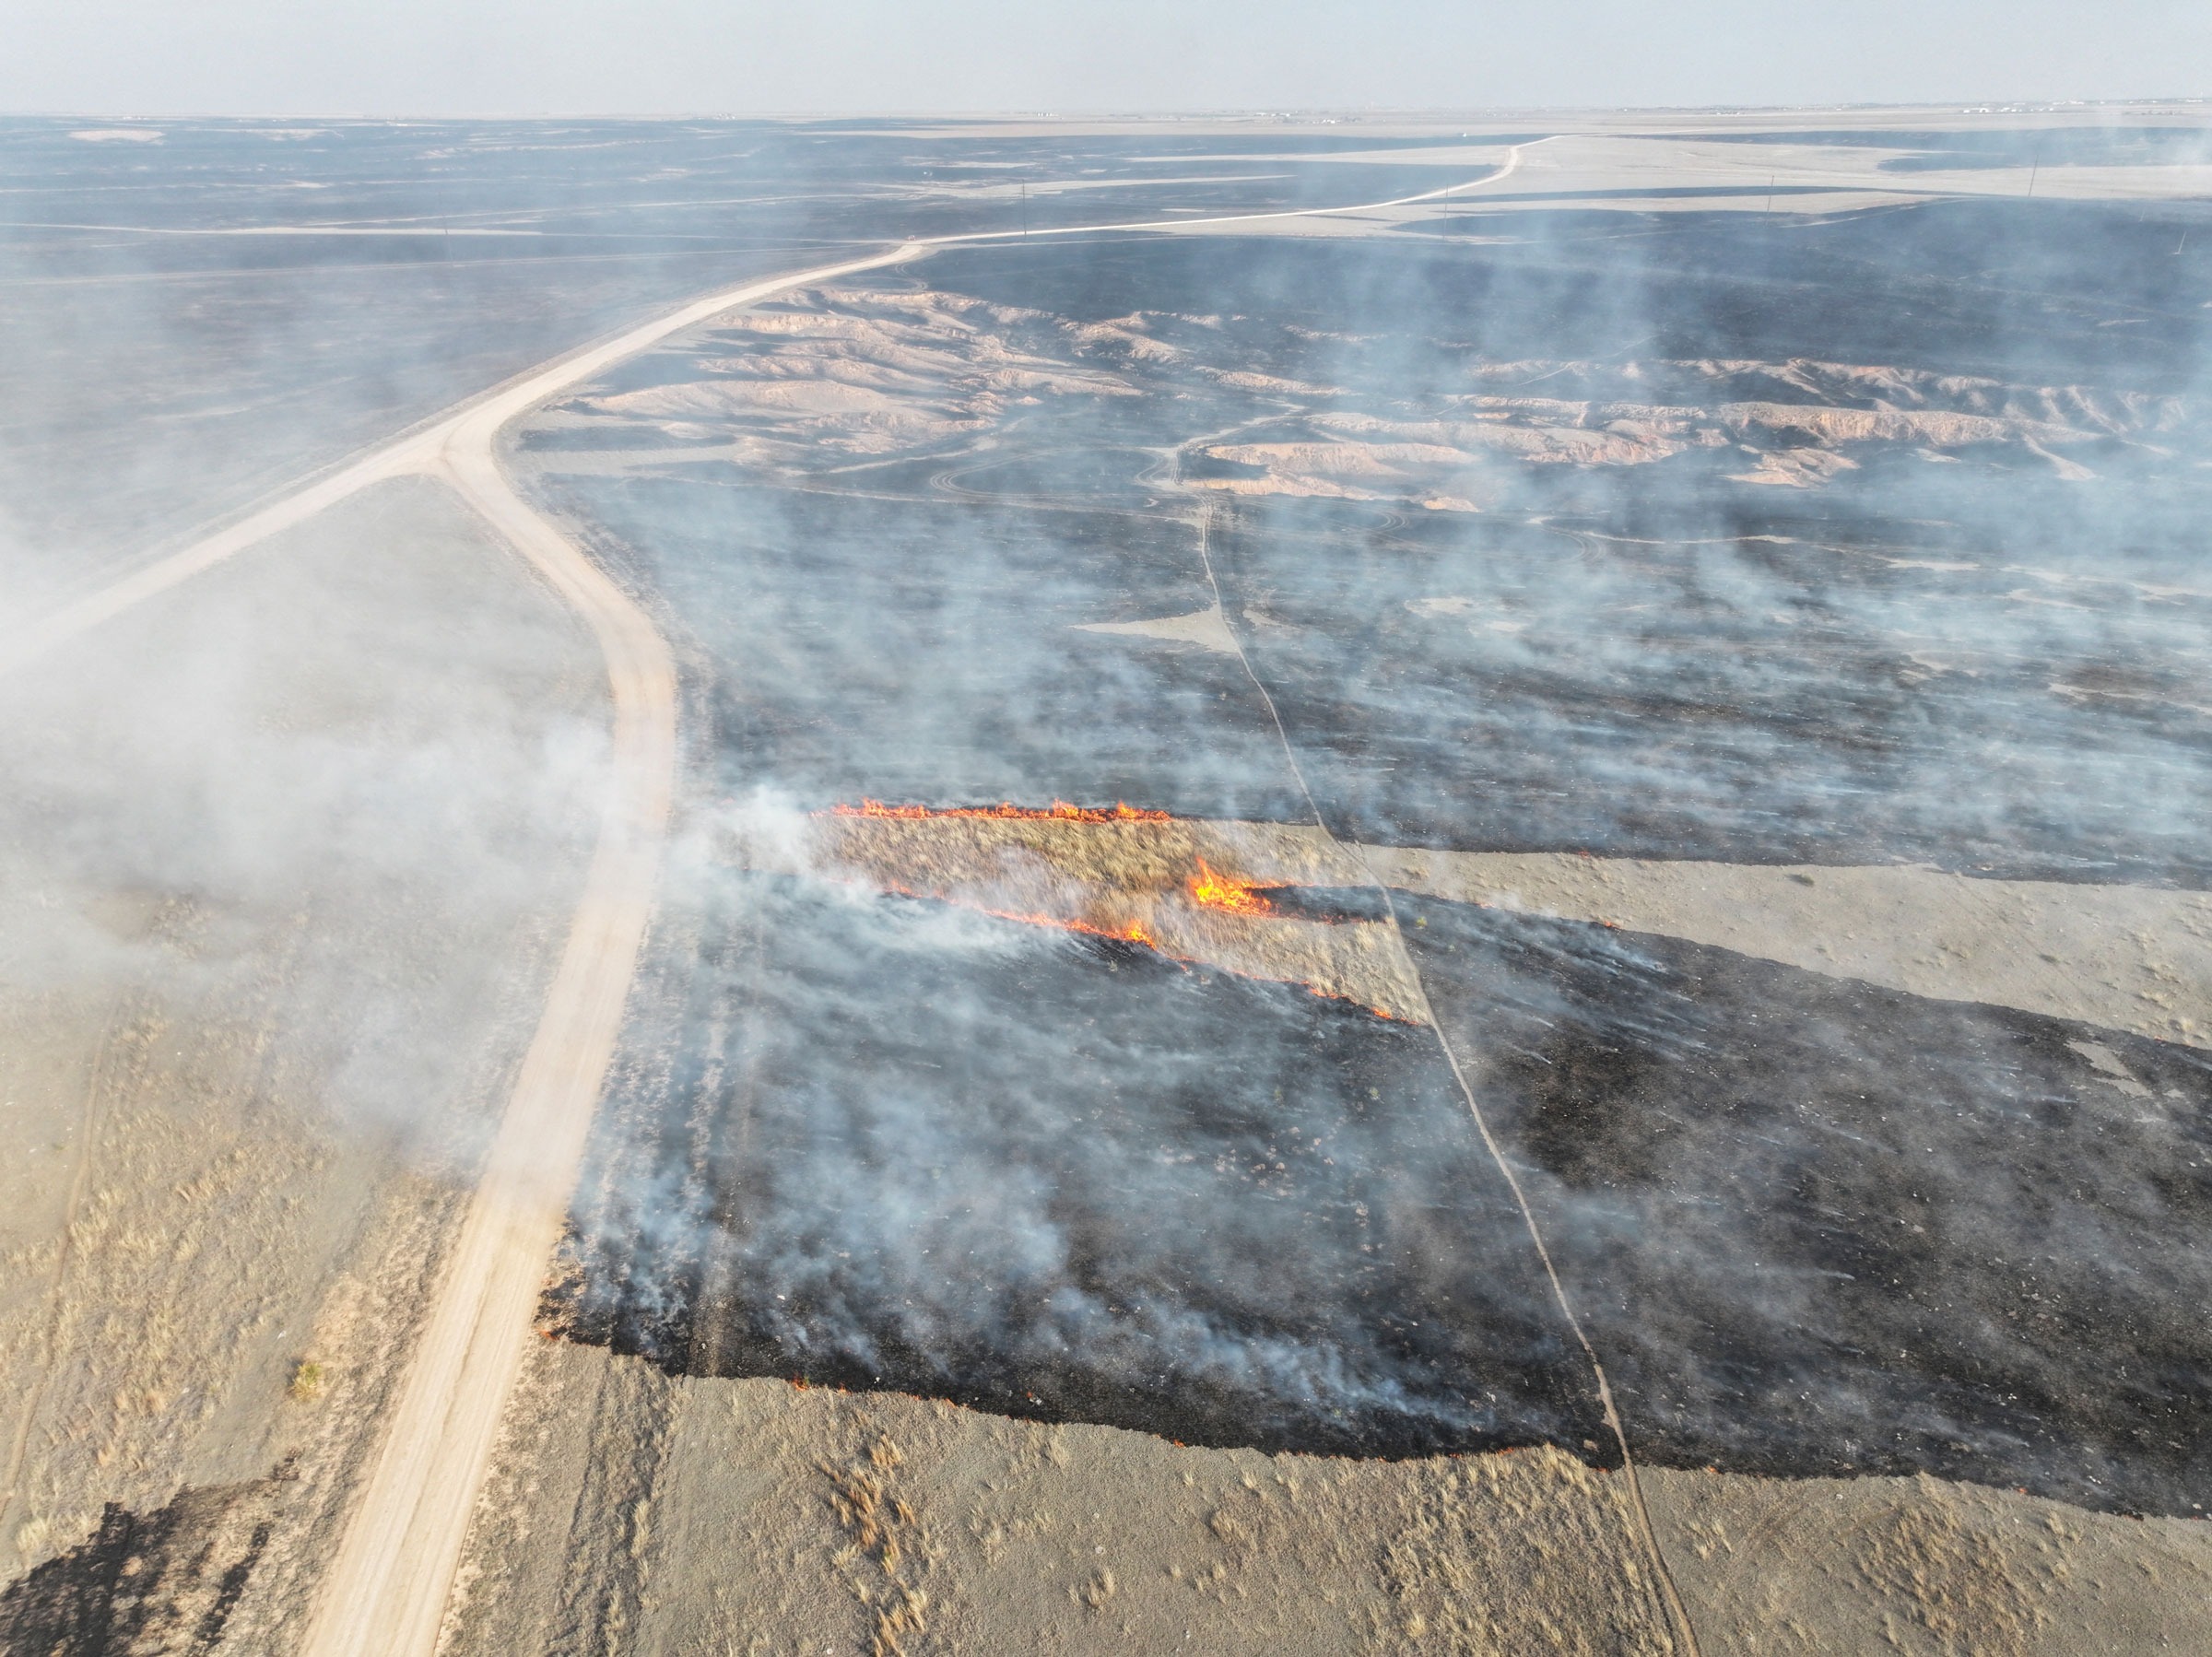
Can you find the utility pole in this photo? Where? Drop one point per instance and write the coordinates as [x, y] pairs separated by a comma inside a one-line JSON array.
[[1024, 210], [1770, 206]]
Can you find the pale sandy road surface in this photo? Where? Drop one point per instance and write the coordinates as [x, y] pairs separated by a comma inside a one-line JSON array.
[[387, 1588]]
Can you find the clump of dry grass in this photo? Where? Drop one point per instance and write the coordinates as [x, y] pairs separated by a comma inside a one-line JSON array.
[[884, 1528], [308, 1381]]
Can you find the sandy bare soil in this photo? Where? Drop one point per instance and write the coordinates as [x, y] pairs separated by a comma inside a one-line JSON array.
[[2128, 958], [1925, 1567], [254, 1031], [891, 1523], [754, 1516]]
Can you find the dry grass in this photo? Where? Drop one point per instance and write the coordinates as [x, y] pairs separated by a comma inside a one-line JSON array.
[[1145, 881], [883, 1530]]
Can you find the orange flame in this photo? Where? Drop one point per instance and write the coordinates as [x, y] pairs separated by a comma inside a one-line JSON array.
[[1132, 932], [1210, 890], [1060, 810]]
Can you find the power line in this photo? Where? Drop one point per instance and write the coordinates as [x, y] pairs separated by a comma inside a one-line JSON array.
[[1669, 1595]]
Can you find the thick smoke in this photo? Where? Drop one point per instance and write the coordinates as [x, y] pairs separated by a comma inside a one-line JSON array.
[[285, 784], [882, 1142]]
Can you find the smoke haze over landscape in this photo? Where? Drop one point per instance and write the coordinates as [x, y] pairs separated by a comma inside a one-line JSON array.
[[1142, 702]]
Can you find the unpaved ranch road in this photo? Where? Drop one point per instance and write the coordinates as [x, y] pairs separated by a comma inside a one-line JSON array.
[[388, 1587]]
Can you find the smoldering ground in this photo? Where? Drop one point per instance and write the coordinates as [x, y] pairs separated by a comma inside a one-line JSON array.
[[1811, 1227], [1802, 1217], [1796, 540], [900, 1144]]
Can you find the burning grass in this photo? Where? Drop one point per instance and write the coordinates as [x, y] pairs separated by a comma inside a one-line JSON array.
[[1191, 891], [1210, 890]]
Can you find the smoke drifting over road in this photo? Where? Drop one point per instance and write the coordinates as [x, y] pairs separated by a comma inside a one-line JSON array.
[[1856, 532]]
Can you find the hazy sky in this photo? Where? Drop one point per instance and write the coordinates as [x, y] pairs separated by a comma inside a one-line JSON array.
[[715, 56]]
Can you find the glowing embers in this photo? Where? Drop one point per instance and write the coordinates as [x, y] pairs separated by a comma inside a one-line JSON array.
[[1132, 932], [1191, 891]]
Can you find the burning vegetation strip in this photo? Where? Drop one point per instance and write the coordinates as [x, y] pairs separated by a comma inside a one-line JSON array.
[[1192, 890]]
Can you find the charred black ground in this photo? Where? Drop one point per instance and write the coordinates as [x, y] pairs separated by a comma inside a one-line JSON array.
[[1804, 1218], [1983, 665], [909, 1147], [1815, 1229]]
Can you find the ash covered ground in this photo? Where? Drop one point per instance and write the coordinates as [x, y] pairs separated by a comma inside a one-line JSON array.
[[1849, 541]]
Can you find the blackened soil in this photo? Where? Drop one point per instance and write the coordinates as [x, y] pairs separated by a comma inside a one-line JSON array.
[[1331, 905], [1818, 1227], [925, 650], [907, 1148], [1655, 694], [1911, 663]]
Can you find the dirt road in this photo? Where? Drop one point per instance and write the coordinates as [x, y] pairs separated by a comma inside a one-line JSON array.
[[425, 449], [387, 1589]]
